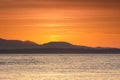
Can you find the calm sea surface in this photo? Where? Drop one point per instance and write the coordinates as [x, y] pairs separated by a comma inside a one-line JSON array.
[[60, 67]]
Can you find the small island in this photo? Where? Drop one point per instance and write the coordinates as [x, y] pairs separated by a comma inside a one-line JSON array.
[[17, 46]]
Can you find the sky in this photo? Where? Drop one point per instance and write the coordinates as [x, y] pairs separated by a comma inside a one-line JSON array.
[[81, 22]]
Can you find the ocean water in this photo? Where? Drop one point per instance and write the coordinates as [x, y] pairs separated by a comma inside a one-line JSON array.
[[60, 67]]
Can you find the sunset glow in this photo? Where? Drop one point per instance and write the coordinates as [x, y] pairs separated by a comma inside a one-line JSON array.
[[82, 22]]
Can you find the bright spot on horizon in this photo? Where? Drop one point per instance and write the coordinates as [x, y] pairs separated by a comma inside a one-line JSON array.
[[54, 38]]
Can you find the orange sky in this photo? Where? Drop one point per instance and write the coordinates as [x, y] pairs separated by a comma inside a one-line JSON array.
[[82, 22]]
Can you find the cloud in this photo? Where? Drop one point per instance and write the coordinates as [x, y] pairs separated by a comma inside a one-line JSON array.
[[59, 3]]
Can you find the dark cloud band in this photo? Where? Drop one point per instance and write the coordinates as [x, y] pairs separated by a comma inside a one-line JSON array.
[[59, 3]]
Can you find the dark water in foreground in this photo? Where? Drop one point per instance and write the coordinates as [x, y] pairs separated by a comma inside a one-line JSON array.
[[60, 67]]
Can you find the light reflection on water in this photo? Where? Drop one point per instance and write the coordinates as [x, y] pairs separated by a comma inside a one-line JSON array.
[[60, 67]]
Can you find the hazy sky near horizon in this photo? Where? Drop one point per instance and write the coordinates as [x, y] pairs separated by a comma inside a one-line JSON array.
[[82, 22]]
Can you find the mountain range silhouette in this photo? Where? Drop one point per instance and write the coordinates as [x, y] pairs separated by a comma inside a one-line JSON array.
[[17, 46]]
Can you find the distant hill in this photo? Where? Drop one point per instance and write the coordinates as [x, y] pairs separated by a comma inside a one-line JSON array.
[[57, 45], [61, 45], [17, 46]]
